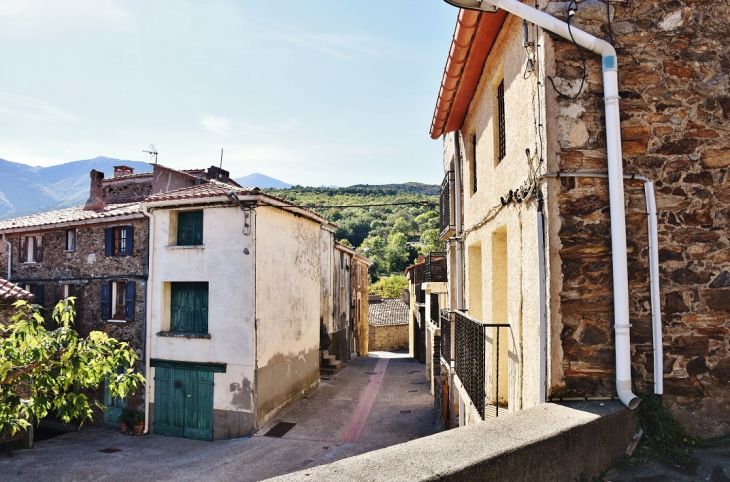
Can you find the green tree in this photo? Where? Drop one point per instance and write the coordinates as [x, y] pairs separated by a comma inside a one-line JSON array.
[[431, 241], [389, 287], [396, 253], [42, 370], [427, 220]]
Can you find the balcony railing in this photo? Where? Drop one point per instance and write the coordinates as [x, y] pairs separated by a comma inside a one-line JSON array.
[[435, 318], [420, 294], [435, 271], [418, 274], [471, 339], [446, 205], [447, 318]]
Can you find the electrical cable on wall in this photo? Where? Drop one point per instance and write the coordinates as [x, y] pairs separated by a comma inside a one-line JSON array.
[[572, 8]]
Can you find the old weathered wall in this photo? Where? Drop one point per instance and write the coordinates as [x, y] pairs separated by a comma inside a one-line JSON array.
[[673, 79], [386, 338], [359, 281], [288, 307], [126, 190]]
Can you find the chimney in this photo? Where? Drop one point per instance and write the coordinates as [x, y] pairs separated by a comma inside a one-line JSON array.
[[123, 171], [218, 174], [95, 203]]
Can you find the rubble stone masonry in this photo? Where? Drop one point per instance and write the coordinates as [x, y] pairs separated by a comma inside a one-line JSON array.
[[674, 61]]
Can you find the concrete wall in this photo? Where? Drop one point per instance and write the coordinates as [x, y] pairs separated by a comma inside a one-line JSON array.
[[288, 307], [386, 338], [226, 262]]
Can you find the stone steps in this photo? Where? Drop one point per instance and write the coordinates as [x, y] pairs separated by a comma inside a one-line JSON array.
[[330, 364]]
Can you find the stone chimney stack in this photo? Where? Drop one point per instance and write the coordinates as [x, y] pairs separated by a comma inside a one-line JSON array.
[[95, 202]]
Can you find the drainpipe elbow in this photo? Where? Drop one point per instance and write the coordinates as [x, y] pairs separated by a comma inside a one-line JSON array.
[[626, 396]]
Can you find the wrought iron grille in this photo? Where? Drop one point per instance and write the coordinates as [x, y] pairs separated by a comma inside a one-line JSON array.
[[420, 294], [419, 273], [436, 267], [470, 340], [502, 127], [445, 203], [446, 319]]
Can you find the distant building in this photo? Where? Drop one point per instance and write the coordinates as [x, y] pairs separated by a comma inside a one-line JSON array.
[[388, 320]]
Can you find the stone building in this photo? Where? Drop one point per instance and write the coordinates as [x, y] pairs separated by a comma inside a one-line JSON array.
[[9, 294], [388, 320], [525, 193]]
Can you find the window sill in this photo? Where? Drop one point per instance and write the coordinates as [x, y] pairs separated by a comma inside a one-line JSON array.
[[183, 334], [69, 250], [185, 246], [112, 320]]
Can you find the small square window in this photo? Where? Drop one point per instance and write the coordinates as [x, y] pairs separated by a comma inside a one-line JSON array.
[[70, 240], [118, 241], [31, 249]]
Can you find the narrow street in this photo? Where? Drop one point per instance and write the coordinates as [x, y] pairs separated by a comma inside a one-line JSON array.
[[374, 402]]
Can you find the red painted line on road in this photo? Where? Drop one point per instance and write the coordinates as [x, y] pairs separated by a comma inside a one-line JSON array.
[[360, 415]]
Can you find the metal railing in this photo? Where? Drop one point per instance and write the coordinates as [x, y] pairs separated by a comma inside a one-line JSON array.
[[445, 218], [435, 318], [420, 294], [470, 360], [447, 318], [418, 274], [435, 271]]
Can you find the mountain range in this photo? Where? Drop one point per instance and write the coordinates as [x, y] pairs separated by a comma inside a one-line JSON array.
[[26, 190]]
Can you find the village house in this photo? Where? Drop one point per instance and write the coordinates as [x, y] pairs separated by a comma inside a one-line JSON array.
[[98, 254], [388, 320], [243, 286], [550, 297]]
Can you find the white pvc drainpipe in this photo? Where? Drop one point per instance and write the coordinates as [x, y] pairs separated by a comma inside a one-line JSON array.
[[656, 309], [542, 324], [148, 328], [615, 172]]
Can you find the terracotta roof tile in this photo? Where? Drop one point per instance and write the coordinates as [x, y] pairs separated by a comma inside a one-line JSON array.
[[12, 291], [70, 215], [212, 188], [388, 312]]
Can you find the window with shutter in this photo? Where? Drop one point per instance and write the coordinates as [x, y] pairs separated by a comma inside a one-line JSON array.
[[70, 244], [190, 228], [31, 249], [106, 290], [118, 241], [189, 307]]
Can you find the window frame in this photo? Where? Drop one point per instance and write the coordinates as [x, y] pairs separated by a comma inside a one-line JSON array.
[[114, 291], [119, 241], [176, 294], [190, 217], [31, 249], [70, 240]]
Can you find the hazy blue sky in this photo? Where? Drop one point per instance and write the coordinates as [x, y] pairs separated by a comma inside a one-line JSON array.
[[311, 92]]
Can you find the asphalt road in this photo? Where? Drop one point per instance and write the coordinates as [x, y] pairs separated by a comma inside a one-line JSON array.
[[374, 402]]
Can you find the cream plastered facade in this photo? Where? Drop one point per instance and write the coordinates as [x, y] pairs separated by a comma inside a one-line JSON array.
[[500, 244], [266, 286]]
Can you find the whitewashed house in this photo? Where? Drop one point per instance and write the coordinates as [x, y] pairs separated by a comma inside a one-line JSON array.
[[238, 290]]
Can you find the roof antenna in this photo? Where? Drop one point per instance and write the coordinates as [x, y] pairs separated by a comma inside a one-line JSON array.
[[221, 165], [152, 152]]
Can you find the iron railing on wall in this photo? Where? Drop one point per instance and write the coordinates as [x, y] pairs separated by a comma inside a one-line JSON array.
[[418, 273], [447, 317], [445, 221], [470, 343], [420, 294], [435, 267]]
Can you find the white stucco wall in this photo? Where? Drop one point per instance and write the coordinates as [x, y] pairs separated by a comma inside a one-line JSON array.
[[288, 283], [226, 262], [503, 290]]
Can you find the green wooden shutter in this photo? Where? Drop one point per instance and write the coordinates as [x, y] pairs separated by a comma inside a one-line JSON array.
[[189, 307], [183, 403], [190, 228], [198, 405], [169, 410]]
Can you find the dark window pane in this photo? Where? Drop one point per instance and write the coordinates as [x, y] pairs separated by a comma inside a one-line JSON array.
[[189, 307], [190, 228]]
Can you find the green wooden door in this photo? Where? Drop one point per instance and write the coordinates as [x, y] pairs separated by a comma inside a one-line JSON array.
[[113, 406], [184, 403]]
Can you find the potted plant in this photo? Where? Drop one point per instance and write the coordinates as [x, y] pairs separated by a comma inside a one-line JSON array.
[[137, 422], [125, 420]]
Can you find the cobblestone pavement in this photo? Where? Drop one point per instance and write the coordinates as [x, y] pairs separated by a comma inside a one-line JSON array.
[[347, 415]]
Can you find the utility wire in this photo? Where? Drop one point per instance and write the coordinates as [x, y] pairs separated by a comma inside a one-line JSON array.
[[417, 203], [572, 7]]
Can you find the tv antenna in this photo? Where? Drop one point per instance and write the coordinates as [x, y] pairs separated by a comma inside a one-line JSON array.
[[152, 152]]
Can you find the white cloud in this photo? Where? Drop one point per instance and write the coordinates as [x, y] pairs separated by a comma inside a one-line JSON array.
[[38, 17], [227, 126], [30, 109]]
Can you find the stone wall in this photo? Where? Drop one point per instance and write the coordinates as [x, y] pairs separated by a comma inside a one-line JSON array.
[[675, 116], [386, 338], [126, 191], [360, 283]]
